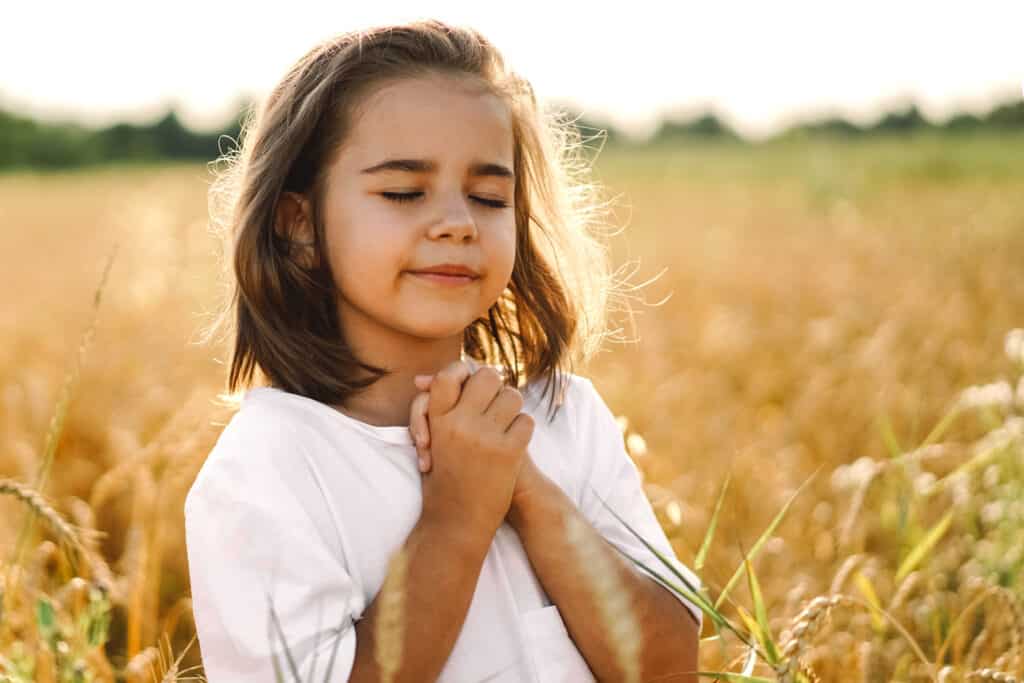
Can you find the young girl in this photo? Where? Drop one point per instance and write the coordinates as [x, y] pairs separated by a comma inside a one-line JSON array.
[[402, 208]]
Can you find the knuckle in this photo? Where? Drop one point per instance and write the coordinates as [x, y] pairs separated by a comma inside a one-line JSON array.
[[521, 429], [453, 370], [489, 372], [514, 396], [488, 376], [445, 374]]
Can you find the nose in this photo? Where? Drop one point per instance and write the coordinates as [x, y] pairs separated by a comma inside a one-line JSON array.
[[456, 224]]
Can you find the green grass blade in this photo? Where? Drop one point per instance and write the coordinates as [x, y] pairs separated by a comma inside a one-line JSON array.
[[686, 591], [717, 618], [761, 613], [690, 592], [56, 427], [276, 623], [748, 666], [925, 545], [974, 463], [647, 545], [942, 426], [868, 591], [346, 623], [888, 436], [734, 678], [763, 539], [710, 534]]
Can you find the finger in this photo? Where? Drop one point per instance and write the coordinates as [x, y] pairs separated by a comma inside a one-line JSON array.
[[521, 429], [421, 459], [505, 407], [419, 427], [481, 389], [446, 387], [423, 382]]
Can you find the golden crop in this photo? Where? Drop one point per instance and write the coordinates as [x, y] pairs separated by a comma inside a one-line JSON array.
[[823, 312]]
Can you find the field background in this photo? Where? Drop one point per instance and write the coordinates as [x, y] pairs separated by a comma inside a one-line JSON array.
[[822, 303]]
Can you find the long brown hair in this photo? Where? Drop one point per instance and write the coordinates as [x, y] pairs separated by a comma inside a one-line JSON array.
[[285, 315]]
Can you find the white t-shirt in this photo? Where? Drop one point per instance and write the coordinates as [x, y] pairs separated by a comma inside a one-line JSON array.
[[305, 503]]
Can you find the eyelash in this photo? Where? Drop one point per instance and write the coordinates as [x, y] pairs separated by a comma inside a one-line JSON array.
[[401, 197]]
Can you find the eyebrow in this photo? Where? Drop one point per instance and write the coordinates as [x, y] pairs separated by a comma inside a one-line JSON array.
[[428, 166]]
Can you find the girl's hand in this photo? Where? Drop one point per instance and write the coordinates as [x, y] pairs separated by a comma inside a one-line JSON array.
[[419, 424], [419, 427], [478, 446], [530, 479]]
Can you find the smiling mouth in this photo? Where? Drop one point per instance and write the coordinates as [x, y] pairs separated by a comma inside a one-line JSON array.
[[445, 278]]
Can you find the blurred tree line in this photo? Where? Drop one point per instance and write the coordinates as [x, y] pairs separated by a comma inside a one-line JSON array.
[[26, 143]]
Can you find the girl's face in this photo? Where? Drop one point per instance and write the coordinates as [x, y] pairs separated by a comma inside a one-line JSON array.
[[425, 178]]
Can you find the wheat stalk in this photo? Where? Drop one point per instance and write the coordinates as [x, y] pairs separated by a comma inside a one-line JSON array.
[[870, 662], [100, 571], [1013, 608], [979, 642], [67, 533], [389, 633], [848, 566], [905, 589], [141, 667], [802, 630], [992, 675], [612, 599], [56, 426], [45, 664]]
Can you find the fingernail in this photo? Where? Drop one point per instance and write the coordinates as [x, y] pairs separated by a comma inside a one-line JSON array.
[[423, 464]]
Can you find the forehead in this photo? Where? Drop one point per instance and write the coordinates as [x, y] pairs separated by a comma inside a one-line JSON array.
[[440, 117]]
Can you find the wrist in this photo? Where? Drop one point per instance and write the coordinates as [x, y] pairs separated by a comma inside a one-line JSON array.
[[458, 534], [532, 501]]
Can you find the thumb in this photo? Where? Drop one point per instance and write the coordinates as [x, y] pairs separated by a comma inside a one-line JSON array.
[[423, 382], [446, 387]]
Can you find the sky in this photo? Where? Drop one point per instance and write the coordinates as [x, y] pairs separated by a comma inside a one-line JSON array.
[[760, 66]]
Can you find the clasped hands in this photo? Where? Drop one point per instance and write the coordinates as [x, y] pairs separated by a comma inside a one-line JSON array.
[[530, 482]]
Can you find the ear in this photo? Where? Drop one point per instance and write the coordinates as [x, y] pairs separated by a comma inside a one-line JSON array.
[[293, 223]]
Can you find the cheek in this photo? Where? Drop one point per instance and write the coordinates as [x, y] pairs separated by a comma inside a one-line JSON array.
[[367, 259], [500, 252]]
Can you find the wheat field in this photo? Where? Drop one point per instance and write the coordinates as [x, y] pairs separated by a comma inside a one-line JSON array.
[[824, 344]]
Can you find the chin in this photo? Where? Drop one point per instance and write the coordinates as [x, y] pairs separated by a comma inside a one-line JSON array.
[[438, 329]]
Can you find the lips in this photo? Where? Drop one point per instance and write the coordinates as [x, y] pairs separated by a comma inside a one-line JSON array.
[[443, 279], [447, 275], [449, 269]]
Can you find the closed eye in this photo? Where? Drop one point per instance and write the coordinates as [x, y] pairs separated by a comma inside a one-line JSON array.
[[412, 196]]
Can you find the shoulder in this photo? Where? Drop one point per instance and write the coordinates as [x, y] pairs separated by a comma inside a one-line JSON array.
[[588, 416], [266, 433], [576, 398], [578, 391]]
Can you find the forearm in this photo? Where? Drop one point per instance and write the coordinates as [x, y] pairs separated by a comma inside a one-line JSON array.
[[441, 578], [669, 637]]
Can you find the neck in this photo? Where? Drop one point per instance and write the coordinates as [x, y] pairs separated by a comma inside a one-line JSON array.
[[387, 401]]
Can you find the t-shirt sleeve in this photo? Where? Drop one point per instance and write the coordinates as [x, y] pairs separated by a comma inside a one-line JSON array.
[[249, 542], [609, 472]]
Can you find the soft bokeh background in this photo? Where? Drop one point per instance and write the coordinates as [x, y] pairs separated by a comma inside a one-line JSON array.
[[820, 292]]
